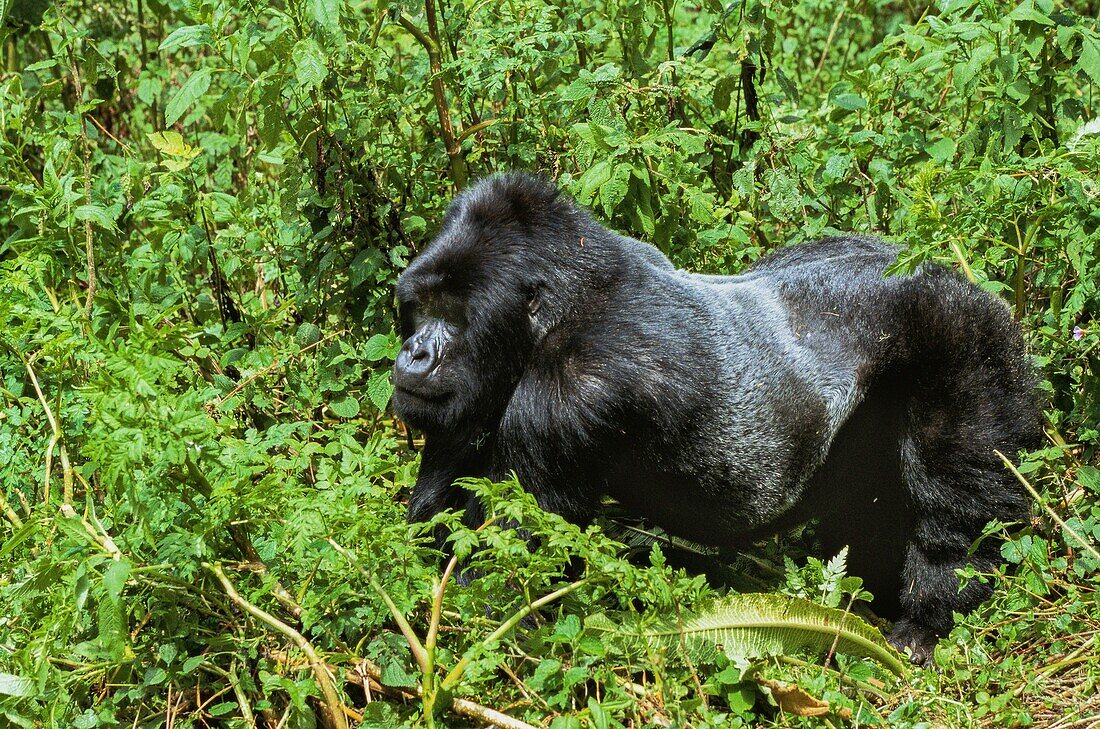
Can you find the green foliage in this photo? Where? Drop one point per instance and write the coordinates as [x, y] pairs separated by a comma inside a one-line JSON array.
[[204, 206], [750, 626]]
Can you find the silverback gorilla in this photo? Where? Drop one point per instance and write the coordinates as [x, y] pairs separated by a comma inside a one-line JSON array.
[[722, 408]]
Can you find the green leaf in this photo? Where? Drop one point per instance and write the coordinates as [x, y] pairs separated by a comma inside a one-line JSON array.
[[613, 192], [308, 334], [942, 151], [11, 685], [394, 674], [95, 213], [21, 535], [1090, 56], [592, 179], [1026, 11], [380, 389], [192, 663], [223, 708], [309, 63], [850, 101], [191, 91], [326, 14], [759, 625], [344, 406], [187, 37], [114, 579], [381, 346]]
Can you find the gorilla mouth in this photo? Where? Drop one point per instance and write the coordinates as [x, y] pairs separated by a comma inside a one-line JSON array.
[[434, 398]]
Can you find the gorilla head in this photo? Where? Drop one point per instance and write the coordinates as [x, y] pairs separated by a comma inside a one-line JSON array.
[[720, 407], [485, 293]]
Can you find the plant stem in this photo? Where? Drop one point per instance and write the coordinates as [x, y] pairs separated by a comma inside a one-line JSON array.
[[1053, 515], [88, 252], [455, 674], [430, 41], [333, 706]]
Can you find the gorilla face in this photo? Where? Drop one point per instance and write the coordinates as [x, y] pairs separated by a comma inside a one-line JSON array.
[[467, 320]]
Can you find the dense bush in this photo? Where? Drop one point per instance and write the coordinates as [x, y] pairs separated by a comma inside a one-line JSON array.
[[204, 207]]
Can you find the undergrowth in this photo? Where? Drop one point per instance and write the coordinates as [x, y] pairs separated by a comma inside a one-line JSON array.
[[204, 205]]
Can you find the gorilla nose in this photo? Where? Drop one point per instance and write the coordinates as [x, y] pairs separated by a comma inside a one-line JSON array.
[[418, 357]]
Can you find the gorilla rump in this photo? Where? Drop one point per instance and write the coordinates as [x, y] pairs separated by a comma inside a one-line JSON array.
[[719, 407]]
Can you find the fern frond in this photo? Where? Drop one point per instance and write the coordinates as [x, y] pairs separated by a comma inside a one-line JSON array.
[[758, 625]]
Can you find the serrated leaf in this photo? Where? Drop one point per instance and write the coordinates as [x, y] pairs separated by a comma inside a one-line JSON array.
[[344, 406], [394, 674], [381, 346], [95, 213], [308, 333], [380, 389], [1090, 56], [191, 91], [613, 192], [309, 63], [186, 37], [171, 143], [114, 579], [12, 685], [326, 14]]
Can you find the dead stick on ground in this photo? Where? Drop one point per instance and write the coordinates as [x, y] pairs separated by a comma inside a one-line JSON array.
[[368, 676], [462, 707]]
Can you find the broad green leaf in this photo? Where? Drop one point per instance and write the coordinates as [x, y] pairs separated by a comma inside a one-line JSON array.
[[191, 91], [186, 37], [12, 685], [381, 346], [309, 63], [1026, 11], [942, 151], [380, 389], [95, 213], [850, 101], [308, 334], [614, 191], [114, 579], [592, 179], [344, 405], [1090, 55], [326, 14]]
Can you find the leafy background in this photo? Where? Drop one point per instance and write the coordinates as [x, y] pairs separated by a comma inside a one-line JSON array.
[[205, 205]]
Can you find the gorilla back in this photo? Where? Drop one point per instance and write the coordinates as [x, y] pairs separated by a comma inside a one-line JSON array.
[[720, 407]]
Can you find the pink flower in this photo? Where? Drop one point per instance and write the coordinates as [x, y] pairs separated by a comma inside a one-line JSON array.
[[1079, 333]]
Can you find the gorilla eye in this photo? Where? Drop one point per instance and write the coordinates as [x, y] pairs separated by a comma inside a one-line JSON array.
[[534, 300]]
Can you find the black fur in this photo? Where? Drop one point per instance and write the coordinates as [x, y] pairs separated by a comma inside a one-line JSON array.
[[720, 407]]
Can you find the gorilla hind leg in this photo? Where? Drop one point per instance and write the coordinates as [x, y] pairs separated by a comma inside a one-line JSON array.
[[952, 501], [955, 484]]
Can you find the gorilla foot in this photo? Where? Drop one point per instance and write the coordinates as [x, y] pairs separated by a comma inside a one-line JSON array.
[[917, 639]]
